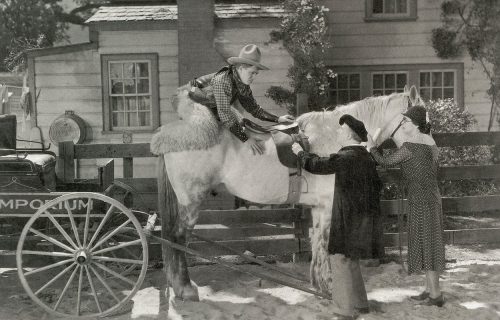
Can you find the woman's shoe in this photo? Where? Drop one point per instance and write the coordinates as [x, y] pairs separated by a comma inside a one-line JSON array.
[[421, 297], [438, 302]]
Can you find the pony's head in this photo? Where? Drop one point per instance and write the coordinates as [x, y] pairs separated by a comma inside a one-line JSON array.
[[397, 104], [384, 112]]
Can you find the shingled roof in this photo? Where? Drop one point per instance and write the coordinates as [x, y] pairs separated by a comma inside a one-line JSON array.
[[169, 12]]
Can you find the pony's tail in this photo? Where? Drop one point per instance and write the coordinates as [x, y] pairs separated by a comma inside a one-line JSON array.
[[167, 200]]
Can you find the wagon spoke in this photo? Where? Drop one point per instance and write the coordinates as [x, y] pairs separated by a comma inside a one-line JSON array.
[[93, 289], [101, 225], [79, 294], [131, 253], [61, 230], [111, 259], [55, 278], [100, 242], [47, 253], [73, 224], [87, 217], [50, 266], [120, 246], [116, 274], [104, 283], [65, 289], [52, 240]]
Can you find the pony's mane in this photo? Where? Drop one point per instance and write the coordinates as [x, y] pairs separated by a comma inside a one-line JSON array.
[[370, 110]]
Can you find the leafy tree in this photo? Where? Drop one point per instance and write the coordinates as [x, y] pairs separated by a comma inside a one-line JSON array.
[[26, 24], [473, 25], [304, 35]]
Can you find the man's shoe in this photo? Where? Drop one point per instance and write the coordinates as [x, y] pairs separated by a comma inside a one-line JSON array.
[[339, 316], [421, 297], [438, 302], [363, 310]]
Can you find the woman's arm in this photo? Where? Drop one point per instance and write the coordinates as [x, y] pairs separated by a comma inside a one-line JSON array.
[[398, 157]]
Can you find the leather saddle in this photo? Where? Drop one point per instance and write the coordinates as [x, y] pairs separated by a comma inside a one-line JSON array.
[[284, 135]]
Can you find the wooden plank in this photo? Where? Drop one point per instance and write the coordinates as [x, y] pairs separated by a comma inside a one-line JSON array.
[[450, 173], [95, 151], [450, 204], [485, 235], [471, 203], [466, 139], [257, 247], [463, 236], [228, 217], [469, 172], [244, 232]]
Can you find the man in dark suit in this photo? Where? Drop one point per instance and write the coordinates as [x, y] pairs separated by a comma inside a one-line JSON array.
[[356, 228]]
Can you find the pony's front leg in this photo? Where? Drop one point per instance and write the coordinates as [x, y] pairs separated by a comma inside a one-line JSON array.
[[320, 271], [175, 264]]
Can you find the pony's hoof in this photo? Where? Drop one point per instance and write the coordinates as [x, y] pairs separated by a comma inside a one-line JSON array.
[[190, 293]]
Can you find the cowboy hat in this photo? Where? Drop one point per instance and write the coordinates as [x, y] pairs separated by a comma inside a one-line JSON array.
[[249, 54]]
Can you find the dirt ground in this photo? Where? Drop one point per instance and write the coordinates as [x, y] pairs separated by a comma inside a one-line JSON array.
[[471, 286]]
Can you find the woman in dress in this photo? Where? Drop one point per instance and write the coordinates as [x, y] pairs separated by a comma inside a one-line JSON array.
[[417, 155]]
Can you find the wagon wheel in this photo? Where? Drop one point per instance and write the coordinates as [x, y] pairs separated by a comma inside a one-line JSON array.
[[134, 252], [79, 279]]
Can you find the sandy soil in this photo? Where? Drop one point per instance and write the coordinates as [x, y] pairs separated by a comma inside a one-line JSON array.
[[471, 287]]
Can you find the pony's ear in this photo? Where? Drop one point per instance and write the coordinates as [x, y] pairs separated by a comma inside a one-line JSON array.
[[413, 95], [406, 89]]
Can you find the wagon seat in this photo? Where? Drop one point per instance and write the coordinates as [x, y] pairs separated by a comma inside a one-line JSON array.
[[23, 169]]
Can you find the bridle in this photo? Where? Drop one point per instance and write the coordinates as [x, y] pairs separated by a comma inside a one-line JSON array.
[[403, 121]]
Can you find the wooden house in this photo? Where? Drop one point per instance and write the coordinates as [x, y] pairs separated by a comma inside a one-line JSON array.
[[121, 81]]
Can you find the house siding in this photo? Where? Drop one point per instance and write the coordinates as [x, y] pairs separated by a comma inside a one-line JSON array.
[[360, 43]]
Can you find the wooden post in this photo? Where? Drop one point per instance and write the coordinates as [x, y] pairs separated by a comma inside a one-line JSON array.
[[302, 103], [66, 162], [107, 174], [302, 234], [128, 167]]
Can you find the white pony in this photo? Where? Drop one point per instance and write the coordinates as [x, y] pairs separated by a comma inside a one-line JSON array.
[[197, 154]]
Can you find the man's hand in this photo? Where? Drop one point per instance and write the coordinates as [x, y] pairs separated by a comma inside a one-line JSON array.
[[257, 146], [370, 143], [286, 119], [296, 148]]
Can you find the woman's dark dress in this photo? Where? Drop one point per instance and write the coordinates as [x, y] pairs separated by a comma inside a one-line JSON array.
[[425, 218]]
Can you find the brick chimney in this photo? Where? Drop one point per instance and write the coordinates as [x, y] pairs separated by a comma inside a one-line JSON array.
[[196, 31]]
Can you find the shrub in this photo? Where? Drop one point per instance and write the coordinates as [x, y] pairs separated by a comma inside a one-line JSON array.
[[447, 116]]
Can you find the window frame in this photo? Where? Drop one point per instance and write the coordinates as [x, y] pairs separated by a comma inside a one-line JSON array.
[[152, 59], [383, 73], [347, 89], [455, 80], [413, 75], [411, 14]]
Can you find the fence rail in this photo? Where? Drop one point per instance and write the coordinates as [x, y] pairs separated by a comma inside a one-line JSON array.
[[278, 223]]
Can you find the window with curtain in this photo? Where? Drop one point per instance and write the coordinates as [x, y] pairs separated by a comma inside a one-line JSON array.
[[130, 85]]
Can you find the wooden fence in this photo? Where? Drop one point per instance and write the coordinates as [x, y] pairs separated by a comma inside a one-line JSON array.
[[282, 231]]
